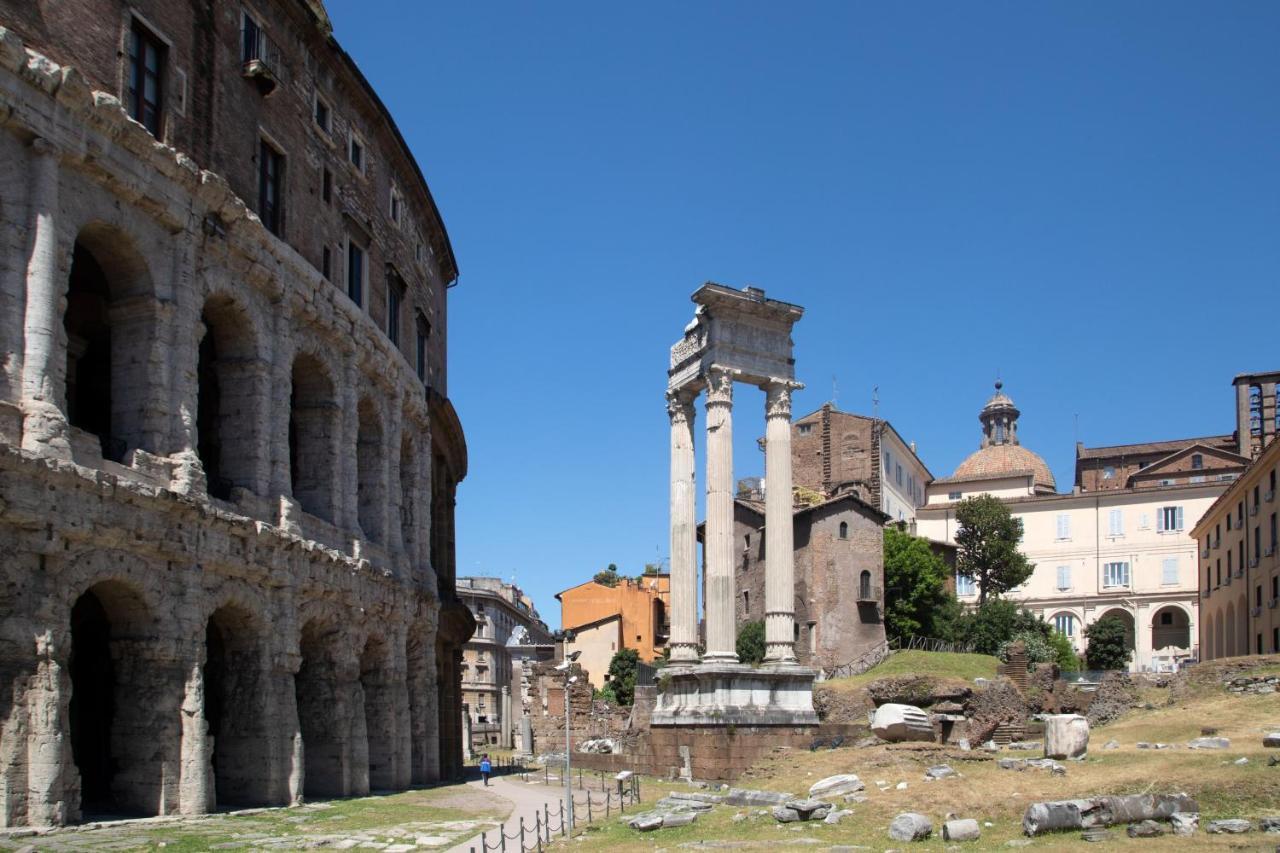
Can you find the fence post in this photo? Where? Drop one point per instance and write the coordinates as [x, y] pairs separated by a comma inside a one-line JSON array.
[[522, 834], [502, 838], [606, 805], [579, 778], [546, 775], [564, 830], [546, 820], [537, 830]]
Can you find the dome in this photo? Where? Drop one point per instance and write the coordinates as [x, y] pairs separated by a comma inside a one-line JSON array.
[[1006, 460]]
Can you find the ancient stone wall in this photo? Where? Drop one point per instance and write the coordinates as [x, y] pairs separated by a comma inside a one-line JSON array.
[[226, 501]]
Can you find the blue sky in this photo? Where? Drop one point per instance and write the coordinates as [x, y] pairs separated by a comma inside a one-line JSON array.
[[1083, 196]]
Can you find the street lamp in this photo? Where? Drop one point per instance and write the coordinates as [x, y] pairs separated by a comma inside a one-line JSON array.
[[564, 667]]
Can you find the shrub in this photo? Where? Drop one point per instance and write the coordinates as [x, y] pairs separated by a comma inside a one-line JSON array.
[[750, 645], [1108, 644], [622, 675], [1064, 653]]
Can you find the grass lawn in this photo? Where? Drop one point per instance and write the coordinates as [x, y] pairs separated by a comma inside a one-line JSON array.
[[966, 667]]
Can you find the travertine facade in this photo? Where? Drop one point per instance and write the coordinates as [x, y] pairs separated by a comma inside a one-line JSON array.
[[226, 484]]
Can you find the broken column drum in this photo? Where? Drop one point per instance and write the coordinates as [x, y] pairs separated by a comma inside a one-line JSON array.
[[737, 336]]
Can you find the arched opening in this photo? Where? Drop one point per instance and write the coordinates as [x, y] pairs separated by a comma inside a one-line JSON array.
[[88, 325], [420, 660], [1219, 635], [226, 424], [370, 471], [234, 688], [864, 586], [320, 714], [1130, 634], [377, 682], [111, 742], [1242, 627], [1229, 631], [844, 530], [408, 509], [105, 387], [313, 428], [1170, 627]]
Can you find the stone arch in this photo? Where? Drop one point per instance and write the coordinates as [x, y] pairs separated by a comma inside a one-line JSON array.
[[236, 683], [377, 682], [371, 471], [408, 493], [109, 335], [324, 709], [1170, 626], [1242, 626], [115, 715], [314, 407], [230, 402], [1229, 631], [1130, 629], [1220, 635], [1067, 617]]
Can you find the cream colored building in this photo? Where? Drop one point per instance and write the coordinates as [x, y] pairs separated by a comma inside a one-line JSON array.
[[1123, 548]]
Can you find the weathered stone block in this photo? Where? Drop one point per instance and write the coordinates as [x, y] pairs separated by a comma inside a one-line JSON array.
[[1065, 736], [910, 826], [964, 829], [894, 722], [836, 786]]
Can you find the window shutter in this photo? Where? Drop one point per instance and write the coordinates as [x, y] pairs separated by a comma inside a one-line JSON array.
[[1160, 520], [1179, 518]]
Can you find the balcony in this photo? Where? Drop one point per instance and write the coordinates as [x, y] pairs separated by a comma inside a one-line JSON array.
[[262, 63], [868, 594]]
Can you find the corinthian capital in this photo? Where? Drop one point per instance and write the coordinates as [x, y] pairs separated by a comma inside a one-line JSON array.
[[719, 386], [778, 398], [679, 407]]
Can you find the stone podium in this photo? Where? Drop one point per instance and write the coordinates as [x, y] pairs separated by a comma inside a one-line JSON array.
[[737, 336]]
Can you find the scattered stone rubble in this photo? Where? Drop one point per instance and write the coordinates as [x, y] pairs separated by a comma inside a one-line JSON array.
[[910, 826], [1254, 684], [836, 786], [1209, 743]]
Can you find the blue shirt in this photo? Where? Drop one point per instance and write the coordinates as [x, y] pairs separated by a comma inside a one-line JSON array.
[[485, 766]]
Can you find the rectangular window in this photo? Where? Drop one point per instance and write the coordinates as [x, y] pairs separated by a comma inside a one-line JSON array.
[[1065, 624], [898, 475], [394, 205], [803, 429], [326, 185], [420, 360], [1064, 577], [965, 585], [356, 153], [395, 296], [746, 602], [1169, 572], [147, 56], [1115, 575], [1064, 526], [954, 496], [250, 36], [1115, 521], [1169, 519], [270, 184], [322, 115], [355, 272], [1257, 543], [1273, 533], [888, 464], [326, 263]]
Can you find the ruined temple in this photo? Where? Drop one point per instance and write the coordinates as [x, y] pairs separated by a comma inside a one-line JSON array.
[[228, 459]]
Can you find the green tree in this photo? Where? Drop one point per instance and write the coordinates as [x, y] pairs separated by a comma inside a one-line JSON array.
[[622, 675], [996, 622], [1108, 644], [750, 645], [916, 598], [988, 538], [1064, 653], [608, 576]]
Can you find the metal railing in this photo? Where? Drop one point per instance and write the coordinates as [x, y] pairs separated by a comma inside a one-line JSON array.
[[544, 829], [645, 675], [880, 651]]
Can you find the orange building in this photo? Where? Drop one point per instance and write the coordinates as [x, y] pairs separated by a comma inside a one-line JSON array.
[[635, 611]]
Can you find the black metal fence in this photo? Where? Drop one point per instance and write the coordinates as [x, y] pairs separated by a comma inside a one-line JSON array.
[[548, 824], [646, 676]]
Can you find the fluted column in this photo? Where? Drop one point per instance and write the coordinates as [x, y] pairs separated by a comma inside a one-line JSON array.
[[779, 568], [684, 546], [721, 637], [44, 425]]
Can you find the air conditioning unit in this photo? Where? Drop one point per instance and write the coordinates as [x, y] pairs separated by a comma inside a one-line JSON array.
[[1204, 552], [1256, 612], [1253, 562], [1269, 496], [1253, 510], [1273, 602], [1271, 549]]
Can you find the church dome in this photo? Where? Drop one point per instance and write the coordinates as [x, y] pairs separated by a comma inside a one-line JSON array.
[[1001, 454], [1006, 460]]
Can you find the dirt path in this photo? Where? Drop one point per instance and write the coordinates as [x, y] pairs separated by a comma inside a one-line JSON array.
[[527, 801]]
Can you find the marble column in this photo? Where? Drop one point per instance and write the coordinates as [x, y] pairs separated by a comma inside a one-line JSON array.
[[684, 546], [779, 569], [44, 425], [719, 603]]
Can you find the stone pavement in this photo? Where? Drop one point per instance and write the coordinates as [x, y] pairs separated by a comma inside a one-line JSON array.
[[528, 799]]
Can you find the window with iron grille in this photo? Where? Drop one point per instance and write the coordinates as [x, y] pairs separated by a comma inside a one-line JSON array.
[[147, 55]]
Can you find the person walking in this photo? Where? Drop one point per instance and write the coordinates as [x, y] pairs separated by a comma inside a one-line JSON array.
[[485, 769]]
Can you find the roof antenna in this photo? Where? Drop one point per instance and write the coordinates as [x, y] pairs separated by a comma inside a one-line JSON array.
[[875, 401]]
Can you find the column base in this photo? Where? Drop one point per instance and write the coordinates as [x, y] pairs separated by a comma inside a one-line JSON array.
[[686, 653], [714, 693]]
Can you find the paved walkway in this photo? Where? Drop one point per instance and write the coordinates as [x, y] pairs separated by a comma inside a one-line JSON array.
[[528, 800]]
